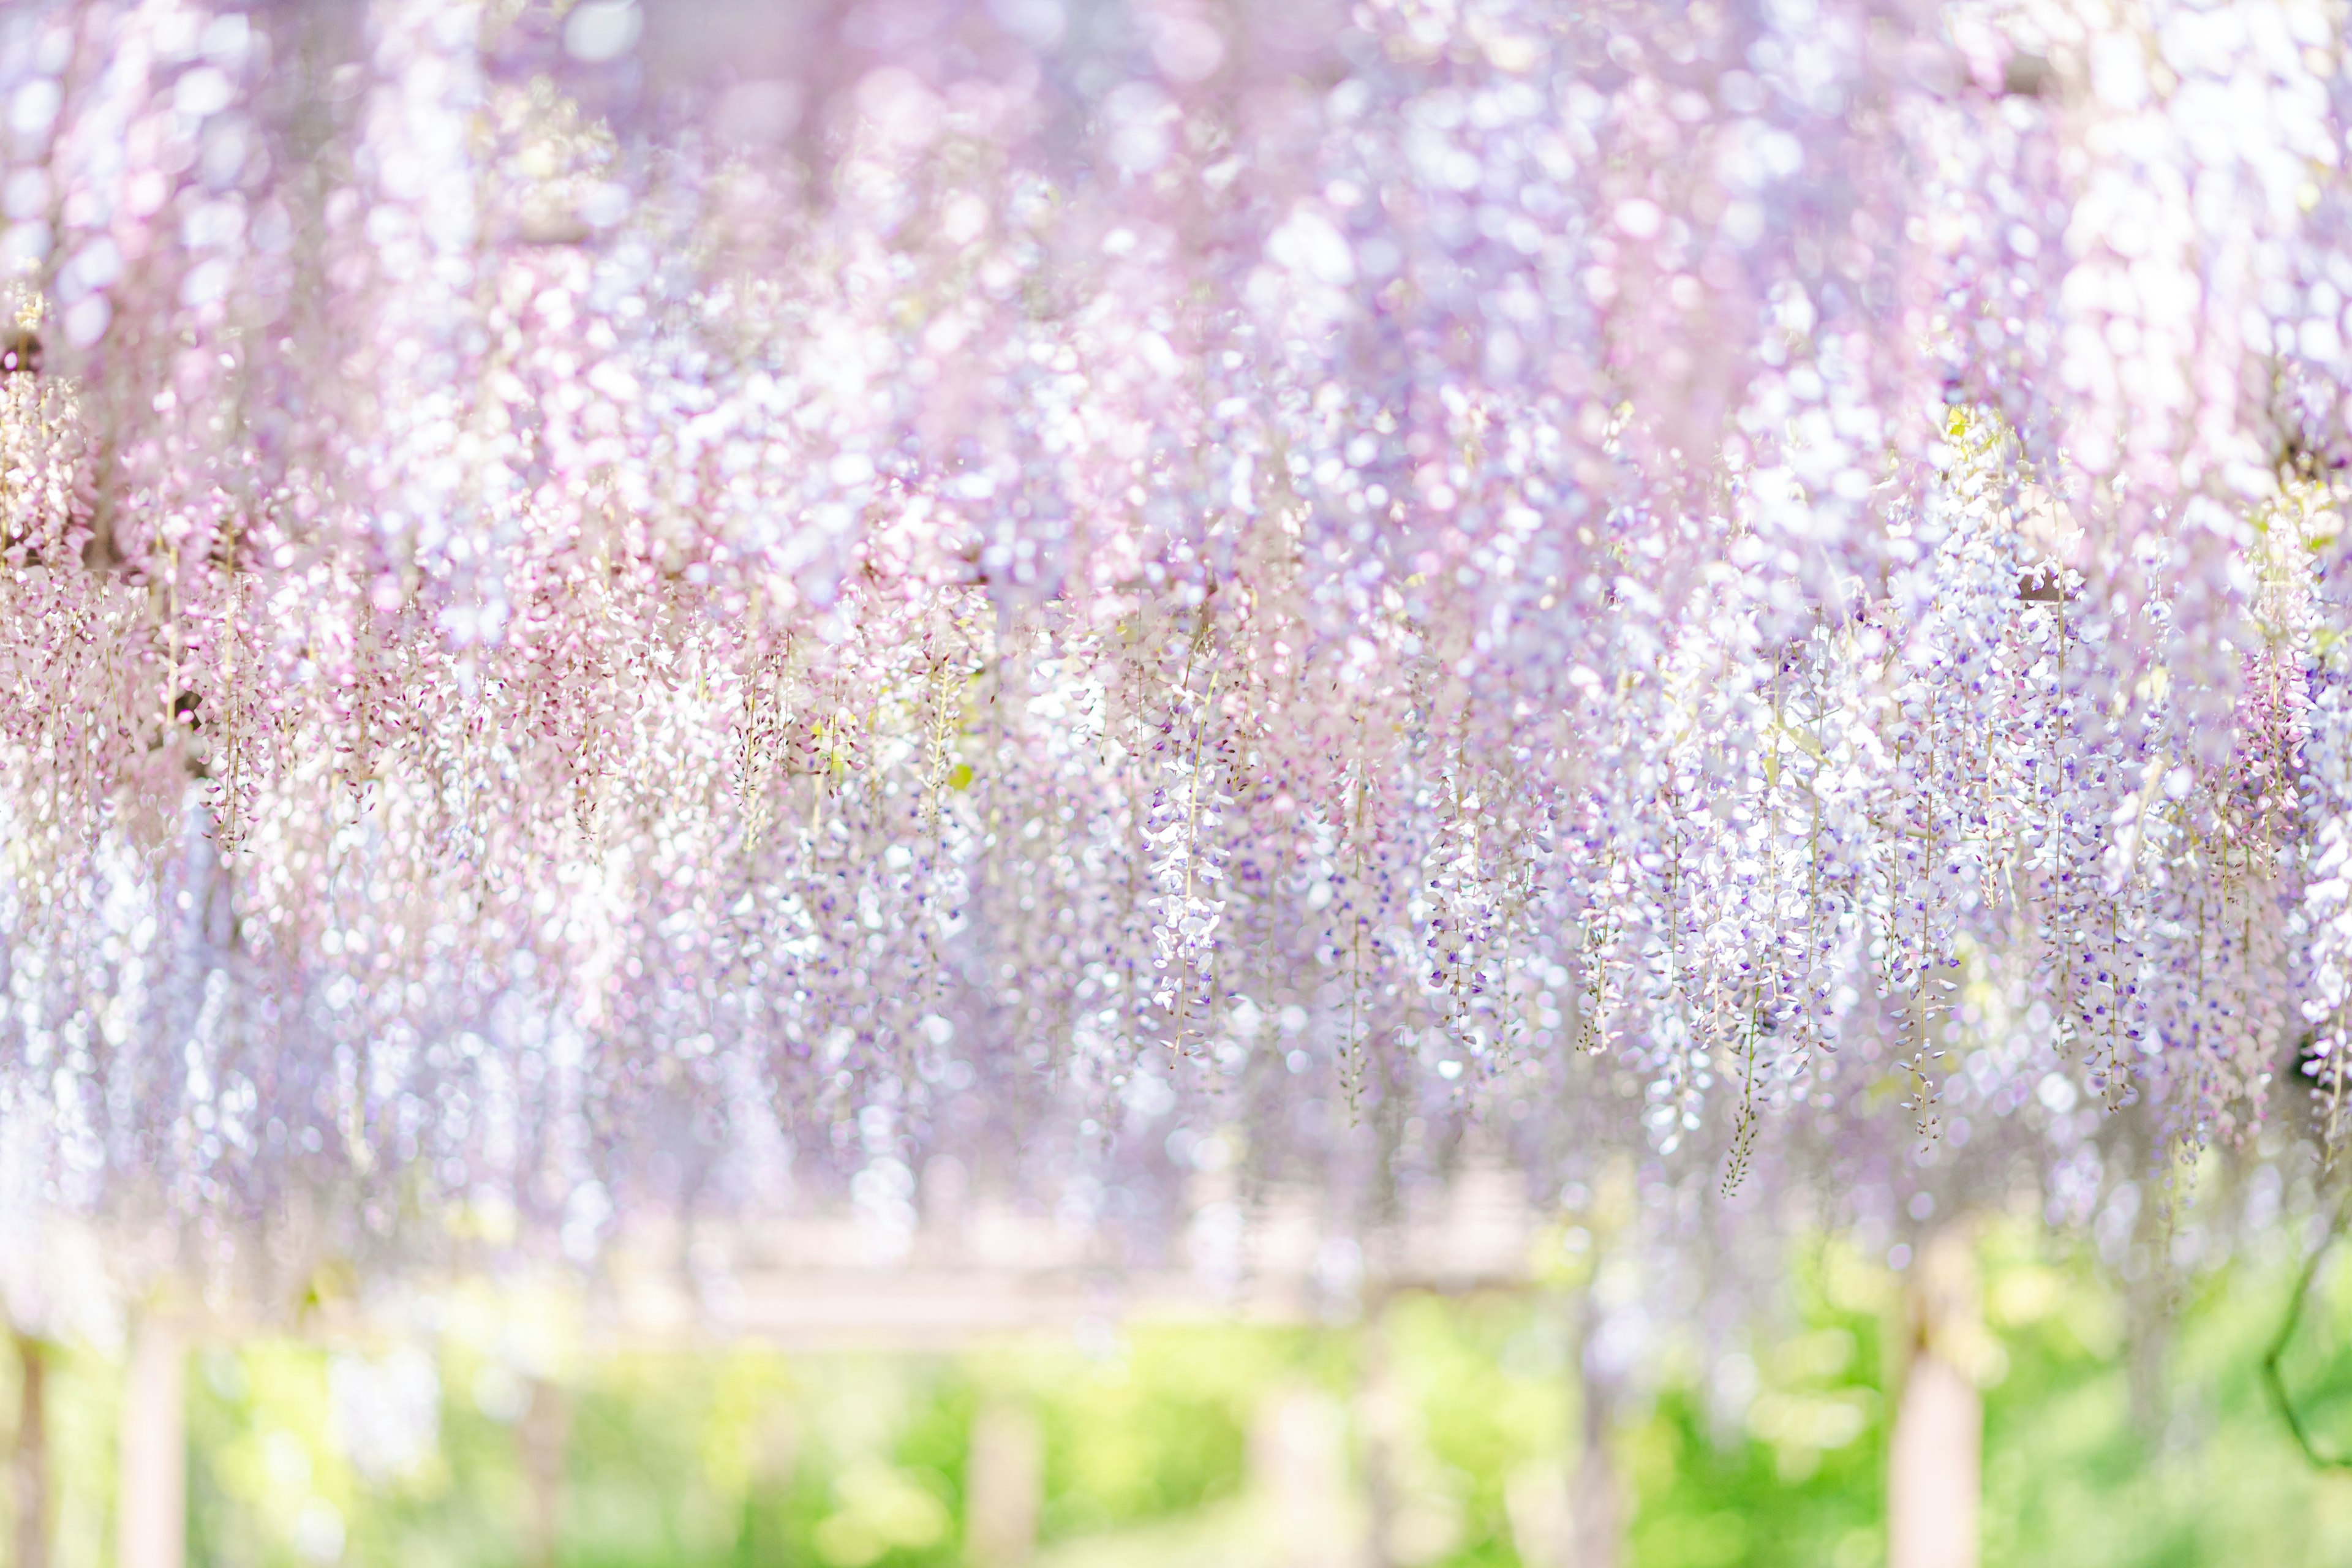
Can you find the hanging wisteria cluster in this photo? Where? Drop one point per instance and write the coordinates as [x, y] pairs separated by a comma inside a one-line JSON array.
[[609, 606]]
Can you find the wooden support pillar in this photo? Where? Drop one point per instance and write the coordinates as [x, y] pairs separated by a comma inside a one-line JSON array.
[[1381, 1418], [29, 1472], [1596, 1507], [151, 1490], [1934, 1462], [1299, 1473], [1004, 1485], [546, 1434]]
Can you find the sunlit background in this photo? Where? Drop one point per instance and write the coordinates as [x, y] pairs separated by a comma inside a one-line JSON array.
[[1338, 784], [507, 1422]]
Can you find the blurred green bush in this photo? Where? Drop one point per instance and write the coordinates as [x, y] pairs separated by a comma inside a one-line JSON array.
[[2124, 1425]]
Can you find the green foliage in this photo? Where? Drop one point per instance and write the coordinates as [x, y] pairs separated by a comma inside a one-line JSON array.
[[1160, 1426], [1768, 1453], [1488, 1378], [2079, 1469], [740, 1459], [1794, 1479], [2202, 1472]]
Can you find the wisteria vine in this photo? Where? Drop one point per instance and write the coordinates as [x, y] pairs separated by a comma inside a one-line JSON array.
[[594, 615]]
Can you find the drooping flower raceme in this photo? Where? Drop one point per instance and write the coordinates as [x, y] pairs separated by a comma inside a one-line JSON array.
[[604, 611]]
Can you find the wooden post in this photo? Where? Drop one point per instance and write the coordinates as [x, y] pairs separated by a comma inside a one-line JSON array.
[[1935, 1462], [1298, 1473], [1596, 1508], [153, 1489], [546, 1430], [1380, 1417], [1596, 1501], [1004, 1485], [31, 1468]]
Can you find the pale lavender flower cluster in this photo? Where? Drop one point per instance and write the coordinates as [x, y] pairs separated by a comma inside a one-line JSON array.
[[616, 604]]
